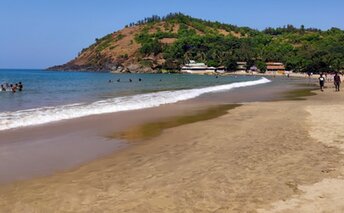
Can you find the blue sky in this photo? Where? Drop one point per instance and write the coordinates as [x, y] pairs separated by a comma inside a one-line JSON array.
[[42, 33]]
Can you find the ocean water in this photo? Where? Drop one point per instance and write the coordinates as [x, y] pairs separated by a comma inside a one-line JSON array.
[[52, 96]]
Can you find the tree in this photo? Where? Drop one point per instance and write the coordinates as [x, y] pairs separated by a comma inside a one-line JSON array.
[[230, 64], [261, 66], [302, 29], [151, 47], [301, 49]]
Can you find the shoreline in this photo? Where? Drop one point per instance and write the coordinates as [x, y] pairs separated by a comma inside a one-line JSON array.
[[43, 114], [239, 162], [230, 73], [37, 150]]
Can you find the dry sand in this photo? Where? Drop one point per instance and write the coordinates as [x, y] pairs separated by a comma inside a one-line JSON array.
[[270, 157], [326, 123]]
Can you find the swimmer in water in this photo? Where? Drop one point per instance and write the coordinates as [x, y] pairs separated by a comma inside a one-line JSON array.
[[14, 88], [20, 86]]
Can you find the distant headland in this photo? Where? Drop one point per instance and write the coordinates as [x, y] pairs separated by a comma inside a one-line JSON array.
[[164, 44]]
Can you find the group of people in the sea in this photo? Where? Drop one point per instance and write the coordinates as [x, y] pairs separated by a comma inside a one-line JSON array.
[[6, 87], [130, 80], [119, 80], [326, 77]]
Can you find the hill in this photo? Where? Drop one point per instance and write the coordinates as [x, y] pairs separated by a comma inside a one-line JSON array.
[[165, 43]]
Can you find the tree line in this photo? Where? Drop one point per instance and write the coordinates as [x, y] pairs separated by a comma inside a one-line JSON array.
[[300, 49]]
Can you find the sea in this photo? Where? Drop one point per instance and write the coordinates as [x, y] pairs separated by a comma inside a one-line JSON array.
[[50, 96]]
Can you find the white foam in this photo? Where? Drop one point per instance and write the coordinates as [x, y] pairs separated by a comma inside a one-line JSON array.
[[22, 118]]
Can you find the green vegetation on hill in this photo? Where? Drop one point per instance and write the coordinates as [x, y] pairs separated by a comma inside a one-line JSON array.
[[168, 42], [300, 49]]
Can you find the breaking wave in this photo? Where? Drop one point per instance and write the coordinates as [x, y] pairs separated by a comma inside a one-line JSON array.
[[22, 118]]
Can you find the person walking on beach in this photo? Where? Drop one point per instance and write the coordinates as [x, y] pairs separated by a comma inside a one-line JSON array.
[[321, 82], [337, 81]]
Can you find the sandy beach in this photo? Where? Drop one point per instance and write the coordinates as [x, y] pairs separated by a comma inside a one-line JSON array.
[[276, 156], [43, 150], [152, 107]]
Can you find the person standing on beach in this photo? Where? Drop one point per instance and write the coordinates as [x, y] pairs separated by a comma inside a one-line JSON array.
[[321, 82], [337, 81]]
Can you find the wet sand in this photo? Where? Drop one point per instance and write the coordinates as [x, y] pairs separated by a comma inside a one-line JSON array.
[[50, 148], [284, 156]]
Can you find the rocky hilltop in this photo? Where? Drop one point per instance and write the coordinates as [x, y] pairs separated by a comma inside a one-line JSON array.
[[157, 44]]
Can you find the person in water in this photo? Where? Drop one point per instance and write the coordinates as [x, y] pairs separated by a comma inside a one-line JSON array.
[[20, 86], [13, 88], [321, 82], [337, 81], [140, 79], [8, 87], [130, 80], [3, 88], [118, 80]]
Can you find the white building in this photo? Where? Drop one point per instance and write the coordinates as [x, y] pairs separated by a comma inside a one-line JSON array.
[[197, 68]]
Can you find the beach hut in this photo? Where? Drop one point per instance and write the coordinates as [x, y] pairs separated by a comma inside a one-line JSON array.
[[221, 69], [254, 69], [275, 68], [241, 66]]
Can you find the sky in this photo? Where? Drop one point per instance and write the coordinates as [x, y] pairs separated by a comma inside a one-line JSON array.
[[36, 34]]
